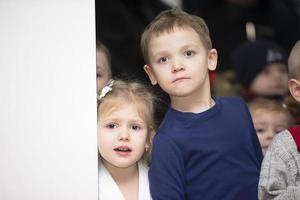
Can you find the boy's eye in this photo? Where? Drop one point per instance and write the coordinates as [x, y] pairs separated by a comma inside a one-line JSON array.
[[111, 125], [278, 130], [260, 130], [189, 53], [162, 59]]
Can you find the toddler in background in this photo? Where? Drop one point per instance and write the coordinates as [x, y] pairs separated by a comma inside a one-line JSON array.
[[261, 68], [280, 171], [125, 132], [269, 118], [103, 63]]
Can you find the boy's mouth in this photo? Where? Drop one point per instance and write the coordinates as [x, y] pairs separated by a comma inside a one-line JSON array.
[[180, 79]]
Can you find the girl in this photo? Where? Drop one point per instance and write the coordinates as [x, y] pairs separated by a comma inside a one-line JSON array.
[[125, 132]]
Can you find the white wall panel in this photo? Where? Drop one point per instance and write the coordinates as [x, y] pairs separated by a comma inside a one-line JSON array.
[[48, 124]]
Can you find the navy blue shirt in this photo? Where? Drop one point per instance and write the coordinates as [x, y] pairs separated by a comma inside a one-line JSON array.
[[212, 155]]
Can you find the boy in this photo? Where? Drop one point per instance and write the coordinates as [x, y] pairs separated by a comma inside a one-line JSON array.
[[205, 148], [280, 172]]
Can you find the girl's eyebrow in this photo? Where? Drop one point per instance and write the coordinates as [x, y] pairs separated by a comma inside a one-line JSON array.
[[137, 121]]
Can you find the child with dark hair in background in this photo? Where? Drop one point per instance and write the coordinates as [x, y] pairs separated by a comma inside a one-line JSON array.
[[269, 118], [103, 63], [280, 171], [261, 68], [205, 148]]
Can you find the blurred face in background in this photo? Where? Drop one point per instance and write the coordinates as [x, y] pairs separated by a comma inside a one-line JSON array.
[[273, 80], [267, 124], [103, 69]]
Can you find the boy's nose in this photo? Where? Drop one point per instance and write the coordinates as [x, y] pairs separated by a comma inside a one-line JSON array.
[[270, 135], [177, 66]]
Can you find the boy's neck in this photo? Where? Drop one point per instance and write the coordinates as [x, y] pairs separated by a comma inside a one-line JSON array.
[[191, 104]]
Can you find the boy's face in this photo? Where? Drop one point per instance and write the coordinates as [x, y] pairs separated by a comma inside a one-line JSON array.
[[179, 62], [103, 69], [267, 124], [273, 80]]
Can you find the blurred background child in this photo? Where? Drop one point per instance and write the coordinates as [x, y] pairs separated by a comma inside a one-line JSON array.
[[261, 68], [125, 132], [103, 62], [280, 171], [269, 118]]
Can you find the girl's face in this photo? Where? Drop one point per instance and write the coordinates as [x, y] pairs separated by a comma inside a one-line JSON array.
[[273, 80], [103, 69], [267, 124], [122, 136]]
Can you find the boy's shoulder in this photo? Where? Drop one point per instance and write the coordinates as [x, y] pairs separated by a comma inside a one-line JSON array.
[[231, 101]]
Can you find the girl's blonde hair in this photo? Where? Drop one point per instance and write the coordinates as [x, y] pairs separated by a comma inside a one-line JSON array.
[[132, 92]]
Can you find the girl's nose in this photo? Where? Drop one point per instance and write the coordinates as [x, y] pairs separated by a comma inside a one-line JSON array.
[[124, 134]]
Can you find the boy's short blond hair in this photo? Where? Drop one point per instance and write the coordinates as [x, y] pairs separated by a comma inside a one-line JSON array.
[[273, 106], [166, 21], [294, 61]]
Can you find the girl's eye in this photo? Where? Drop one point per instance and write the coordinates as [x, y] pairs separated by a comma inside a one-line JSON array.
[[136, 127], [111, 125], [189, 53], [99, 75], [162, 59]]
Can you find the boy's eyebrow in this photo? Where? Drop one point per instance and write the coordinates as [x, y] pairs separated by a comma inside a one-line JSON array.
[[167, 51], [261, 123], [189, 45], [159, 53]]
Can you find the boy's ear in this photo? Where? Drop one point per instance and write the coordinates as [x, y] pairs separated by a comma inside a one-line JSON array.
[[212, 59], [294, 87], [150, 74]]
